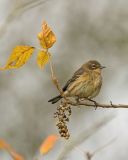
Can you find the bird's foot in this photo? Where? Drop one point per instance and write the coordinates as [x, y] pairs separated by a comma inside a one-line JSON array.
[[78, 99], [95, 103]]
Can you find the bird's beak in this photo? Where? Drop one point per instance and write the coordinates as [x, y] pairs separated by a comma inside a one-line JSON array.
[[102, 67]]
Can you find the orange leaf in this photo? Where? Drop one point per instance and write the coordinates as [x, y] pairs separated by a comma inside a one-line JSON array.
[[3, 144], [48, 144], [42, 58], [19, 56], [47, 37], [8, 148], [16, 156]]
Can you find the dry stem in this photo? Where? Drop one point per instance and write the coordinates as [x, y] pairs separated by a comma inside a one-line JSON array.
[[85, 103]]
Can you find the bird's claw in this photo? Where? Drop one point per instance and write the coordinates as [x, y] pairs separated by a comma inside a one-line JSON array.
[[95, 103]]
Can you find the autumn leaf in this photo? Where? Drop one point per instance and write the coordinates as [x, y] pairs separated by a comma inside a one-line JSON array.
[[43, 58], [15, 156], [46, 37], [3, 145], [9, 149], [19, 56], [48, 144]]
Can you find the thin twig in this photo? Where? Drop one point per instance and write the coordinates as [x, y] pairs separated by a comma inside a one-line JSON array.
[[54, 79], [85, 103], [88, 155]]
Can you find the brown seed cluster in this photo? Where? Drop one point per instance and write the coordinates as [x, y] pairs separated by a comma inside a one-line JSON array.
[[62, 115]]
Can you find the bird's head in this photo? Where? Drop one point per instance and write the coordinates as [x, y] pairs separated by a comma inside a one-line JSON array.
[[94, 65]]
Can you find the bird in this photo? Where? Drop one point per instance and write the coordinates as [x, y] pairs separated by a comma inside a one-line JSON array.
[[85, 83]]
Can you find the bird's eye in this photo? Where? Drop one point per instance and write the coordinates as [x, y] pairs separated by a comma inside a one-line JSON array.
[[93, 66]]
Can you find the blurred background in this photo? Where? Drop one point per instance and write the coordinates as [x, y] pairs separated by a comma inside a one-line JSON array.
[[85, 30]]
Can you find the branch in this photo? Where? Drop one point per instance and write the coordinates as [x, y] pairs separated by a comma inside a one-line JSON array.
[[54, 79], [96, 104]]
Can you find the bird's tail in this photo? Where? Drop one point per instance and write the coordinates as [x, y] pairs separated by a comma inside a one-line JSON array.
[[55, 99]]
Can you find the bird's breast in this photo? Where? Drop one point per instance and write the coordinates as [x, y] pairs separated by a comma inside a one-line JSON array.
[[85, 86], [97, 83]]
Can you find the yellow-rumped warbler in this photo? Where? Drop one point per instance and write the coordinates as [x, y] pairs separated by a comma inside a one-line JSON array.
[[85, 83]]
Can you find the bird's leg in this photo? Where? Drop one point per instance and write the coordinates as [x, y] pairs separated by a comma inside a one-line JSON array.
[[77, 99], [93, 102]]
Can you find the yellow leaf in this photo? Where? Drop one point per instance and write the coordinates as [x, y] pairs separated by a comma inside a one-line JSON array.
[[8, 148], [47, 37], [48, 144], [19, 56], [42, 58]]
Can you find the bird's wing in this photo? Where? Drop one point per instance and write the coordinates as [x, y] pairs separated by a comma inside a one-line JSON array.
[[77, 74]]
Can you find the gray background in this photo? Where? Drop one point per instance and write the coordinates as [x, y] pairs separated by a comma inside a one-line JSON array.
[[85, 29]]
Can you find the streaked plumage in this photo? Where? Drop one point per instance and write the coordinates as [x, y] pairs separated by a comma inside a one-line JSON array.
[[85, 83]]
